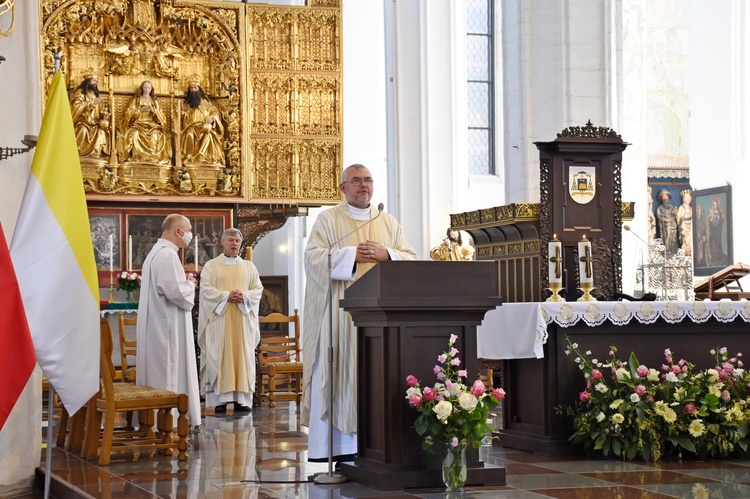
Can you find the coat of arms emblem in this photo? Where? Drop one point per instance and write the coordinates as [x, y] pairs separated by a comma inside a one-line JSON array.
[[582, 183]]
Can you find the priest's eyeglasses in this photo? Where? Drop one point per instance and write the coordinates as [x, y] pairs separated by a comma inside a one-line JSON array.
[[356, 181]]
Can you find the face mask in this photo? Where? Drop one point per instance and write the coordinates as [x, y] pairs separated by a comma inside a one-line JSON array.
[[186, 237]]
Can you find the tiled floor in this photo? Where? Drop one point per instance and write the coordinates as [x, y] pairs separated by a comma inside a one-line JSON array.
[[263, 455]]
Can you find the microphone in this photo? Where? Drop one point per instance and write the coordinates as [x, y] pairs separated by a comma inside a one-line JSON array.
[[627, 228], [380, 210]]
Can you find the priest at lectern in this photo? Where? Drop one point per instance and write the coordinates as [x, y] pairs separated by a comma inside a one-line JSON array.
[[356, 235]]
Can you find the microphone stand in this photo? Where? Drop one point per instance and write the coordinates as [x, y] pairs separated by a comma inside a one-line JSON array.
[[331, 477], [664, 266]]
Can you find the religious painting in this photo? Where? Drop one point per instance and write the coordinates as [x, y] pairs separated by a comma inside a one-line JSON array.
[[275, 299], [143, 228], [106, 237], [712, 229]]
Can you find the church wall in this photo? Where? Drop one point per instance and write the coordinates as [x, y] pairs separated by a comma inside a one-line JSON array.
[[720, 107]]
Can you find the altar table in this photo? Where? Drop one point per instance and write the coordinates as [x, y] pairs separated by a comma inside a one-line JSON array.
[[520, 330], [538, 376]]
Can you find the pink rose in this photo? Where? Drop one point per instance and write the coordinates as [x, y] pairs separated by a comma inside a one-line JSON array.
[[640, 390], [676, 369], [690, 409], [642, 371], [415, 400], [725, 396], [429, 394], [596, 374], [454, 442], [478, 388], [584, 396], [498, 394], [411, 380], [728, 368]]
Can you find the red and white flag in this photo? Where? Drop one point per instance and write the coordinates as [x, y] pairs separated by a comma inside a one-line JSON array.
[[17, 359]]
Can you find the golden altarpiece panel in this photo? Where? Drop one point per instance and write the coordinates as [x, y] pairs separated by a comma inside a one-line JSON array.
[[242, 105]]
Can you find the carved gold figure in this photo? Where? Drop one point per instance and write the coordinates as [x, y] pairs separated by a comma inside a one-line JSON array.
[[90, 122], [202, 128], [452, 248], [143, 138]]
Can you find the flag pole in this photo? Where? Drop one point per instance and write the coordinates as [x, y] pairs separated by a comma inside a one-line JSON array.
[[48, 464]]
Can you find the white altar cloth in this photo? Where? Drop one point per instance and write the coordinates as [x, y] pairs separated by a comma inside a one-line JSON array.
[[519, 330]]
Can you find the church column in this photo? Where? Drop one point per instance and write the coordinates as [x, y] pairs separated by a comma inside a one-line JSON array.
[[425, 158]]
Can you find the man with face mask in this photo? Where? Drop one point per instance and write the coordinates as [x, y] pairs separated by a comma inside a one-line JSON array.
[[166, 349]]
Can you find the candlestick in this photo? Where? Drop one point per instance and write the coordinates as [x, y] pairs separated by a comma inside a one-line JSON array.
[[195, 238], [111, 286], [585, 270], [555, 260], [111, 252], [130, 253]]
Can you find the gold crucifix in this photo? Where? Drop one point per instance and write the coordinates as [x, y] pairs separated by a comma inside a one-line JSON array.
[[587, 260], [557, 259]]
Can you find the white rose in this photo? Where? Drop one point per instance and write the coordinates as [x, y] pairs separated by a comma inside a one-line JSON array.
[[672, 378], [467, 401], [634, 397], [443, 409], [622, 374], [653, 375], [713, 375], [124, 275], [133, 276]]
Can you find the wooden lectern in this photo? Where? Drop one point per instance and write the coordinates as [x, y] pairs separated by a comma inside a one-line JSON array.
[[405, 312]]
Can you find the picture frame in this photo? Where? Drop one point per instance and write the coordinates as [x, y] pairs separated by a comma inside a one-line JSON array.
[[275, 299], [136, 229], [104, 222], [712, 230]]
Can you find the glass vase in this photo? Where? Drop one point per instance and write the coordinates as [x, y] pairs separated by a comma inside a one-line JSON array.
[[454, 467], [129, 296]]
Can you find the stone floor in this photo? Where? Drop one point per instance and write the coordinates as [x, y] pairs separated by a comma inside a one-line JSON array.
[[264, 455]]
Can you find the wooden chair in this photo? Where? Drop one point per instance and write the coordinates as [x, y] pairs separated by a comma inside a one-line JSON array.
[[279, 360], [125, 397], [127, 347]]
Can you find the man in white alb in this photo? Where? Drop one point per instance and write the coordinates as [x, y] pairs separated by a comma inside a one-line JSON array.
[[166, 351], [352, 257], [228, 330]]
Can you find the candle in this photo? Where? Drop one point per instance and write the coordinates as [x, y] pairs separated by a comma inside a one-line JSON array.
[[195, 238], [555, 260], [130, 253], [111, 252], [584, 261]]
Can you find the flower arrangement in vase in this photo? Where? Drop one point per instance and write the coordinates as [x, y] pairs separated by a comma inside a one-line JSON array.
[[452, 414], [632, 410], [129, 282]]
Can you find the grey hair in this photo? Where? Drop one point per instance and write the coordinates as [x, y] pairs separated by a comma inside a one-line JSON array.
[[229, 231], [355, 166]]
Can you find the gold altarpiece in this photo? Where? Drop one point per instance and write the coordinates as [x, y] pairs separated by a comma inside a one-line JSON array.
[[273, 73]]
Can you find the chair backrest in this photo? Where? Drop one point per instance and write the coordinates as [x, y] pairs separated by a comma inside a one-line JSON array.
[[127, 347], [108, 372], [280, 348]]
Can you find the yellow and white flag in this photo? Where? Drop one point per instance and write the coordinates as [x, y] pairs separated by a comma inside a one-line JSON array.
[[54, 261]]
